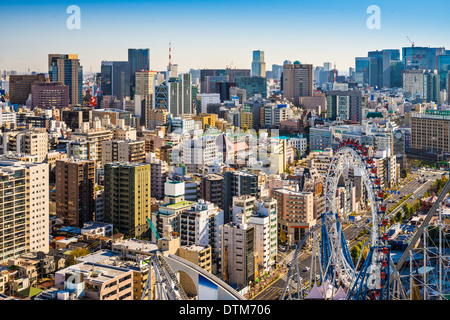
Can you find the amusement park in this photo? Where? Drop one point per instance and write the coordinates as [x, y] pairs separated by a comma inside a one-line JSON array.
[[397, 261]]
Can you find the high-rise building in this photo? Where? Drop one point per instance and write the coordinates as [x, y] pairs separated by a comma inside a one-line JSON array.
[[31, 142], [347, 105], [143, 95], [258, 64], [116, 79], [253, 86], [25, 208], [382, 72], [429, 132], [211, 188], [238, 254], [423, 58], [123, 150], [139, 60], [66, 69], [180, 95], [413, 84], [297, 81], [237, 183], [159, 175], [20, 87], [50, 94], [75, 195], [128, 196], [365, 71], [295, 213], [443, 67]]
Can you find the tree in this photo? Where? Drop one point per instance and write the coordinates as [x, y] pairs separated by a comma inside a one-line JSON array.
[[76, 253], [282, 236], [398, 216]]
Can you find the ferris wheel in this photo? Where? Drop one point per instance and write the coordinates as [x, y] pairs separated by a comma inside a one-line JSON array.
[[369, 281]]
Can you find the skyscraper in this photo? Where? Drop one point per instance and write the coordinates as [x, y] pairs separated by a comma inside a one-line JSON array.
[[139, 60], [116, 79], [66, 69], [297, 81], [258, 64]]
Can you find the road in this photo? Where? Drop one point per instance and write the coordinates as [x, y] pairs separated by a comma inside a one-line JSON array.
[[421, 181]]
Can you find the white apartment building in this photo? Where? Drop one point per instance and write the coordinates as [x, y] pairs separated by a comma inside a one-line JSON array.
[[199, 152], [27, 142], [25, 211]]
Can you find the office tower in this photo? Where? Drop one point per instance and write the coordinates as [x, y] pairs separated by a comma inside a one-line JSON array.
[[75, 196], [138, 60], [297, 81], [397, 67], [258, 64], [443, 67], [123, 150], [429, 132], [66, 69], [413, 84], [144, 81], [431, 86], [253, 86], [209, 77], [116, 79], [295, 213], [345, 104], [277, 70], [211, 188], [382, 70], [128, 196], [233, 74], [365, 74], [423, 58], [24, 209], [161, 99], [31, 142], [237, 183], [180, 95], [20, 87], [50, 94], [238, 254]]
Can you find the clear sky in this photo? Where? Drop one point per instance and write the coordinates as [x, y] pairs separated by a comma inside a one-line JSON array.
[[214, 34]]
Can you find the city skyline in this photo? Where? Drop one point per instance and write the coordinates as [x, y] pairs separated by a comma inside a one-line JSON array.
[[311, 33]]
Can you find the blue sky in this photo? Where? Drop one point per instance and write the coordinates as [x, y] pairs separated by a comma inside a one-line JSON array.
[[213, 34]]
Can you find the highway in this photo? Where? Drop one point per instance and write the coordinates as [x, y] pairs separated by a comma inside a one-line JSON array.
[[419, 183]]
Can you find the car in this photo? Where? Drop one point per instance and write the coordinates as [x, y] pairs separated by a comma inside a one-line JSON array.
[[306, 269], [281, 248]]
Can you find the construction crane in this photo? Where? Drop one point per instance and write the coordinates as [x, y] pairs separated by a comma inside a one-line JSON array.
[[412, 43]]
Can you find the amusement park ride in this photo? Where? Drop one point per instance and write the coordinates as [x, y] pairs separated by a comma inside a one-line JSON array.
[[377, 278]]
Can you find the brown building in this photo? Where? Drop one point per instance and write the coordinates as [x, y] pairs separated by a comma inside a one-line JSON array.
[[211, 188], [75, 196], [20, 87], [295, 213], [297, 81], [50, 94]]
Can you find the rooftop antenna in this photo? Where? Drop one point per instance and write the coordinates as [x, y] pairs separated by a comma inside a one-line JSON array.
[[170, 53]]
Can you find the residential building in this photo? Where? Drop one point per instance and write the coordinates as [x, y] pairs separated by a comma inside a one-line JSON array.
[[66, 69], [75, 195], [128, 196]]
